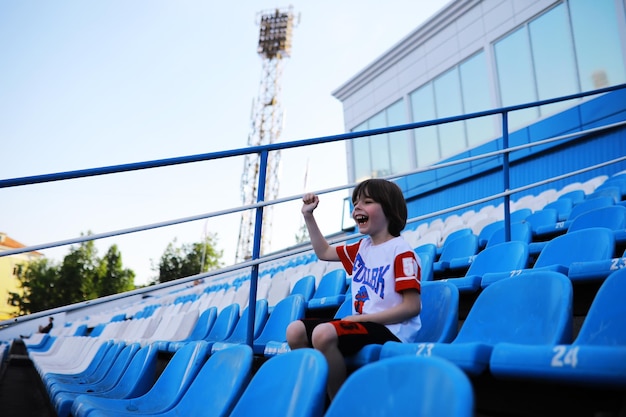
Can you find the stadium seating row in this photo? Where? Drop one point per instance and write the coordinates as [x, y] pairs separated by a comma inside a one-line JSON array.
[[519, 326]]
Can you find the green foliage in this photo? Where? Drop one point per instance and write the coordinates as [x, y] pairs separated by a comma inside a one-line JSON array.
[[189, 259], [82, 276]]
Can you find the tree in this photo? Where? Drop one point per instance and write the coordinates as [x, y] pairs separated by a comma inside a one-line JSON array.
[[111, 277], [78, 274], [189, 259], [82, 276]]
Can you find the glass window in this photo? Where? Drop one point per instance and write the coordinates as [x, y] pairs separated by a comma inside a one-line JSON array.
[[599, 51], [399, 142], [361, 154], [553, 58], [379, 147], [515, 76], [476, 97], [448, 103], [423, 109]]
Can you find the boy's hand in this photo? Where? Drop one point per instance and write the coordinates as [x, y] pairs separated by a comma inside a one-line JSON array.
[[310, 202]]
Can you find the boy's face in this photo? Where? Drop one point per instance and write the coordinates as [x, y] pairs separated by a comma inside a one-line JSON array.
[[369, 216]]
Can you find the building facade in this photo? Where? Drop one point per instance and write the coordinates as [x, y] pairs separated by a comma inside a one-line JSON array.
[[10, 268], [476, 55]]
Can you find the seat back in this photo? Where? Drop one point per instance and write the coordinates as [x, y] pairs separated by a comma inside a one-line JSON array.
[[611, 217], [520, 231], [589, 244], [501, 257], [240, 333], [576, 196], [204, 324], [487, 231], [427, 264], [218, 385], [586, 205], [224, 324], [116, 370], [332, 283], [331, 291], [440, 312], [428, 248], [543, 217], [177, 376], [292, 384], [535, 308], [275, 329], [459, 247], [305, 287], [139, 376], [605, 323], [563, 206], [417, 386]]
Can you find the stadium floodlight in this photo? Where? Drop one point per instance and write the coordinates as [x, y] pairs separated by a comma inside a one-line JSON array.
[[275, 33]]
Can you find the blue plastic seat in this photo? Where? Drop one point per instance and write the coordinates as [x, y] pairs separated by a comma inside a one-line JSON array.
[[581, 246], [577, 210], [163, 395], [563, 206], [287, 310], [405, 386], [330, 292], [501, 260], [515, 217], [534, 310], [428, 248], [611, 217], [541, 218], [93, 373], [520, 231], [200, 330], [427, 254], [213, 392], [288, 385], [426, 263], [240, 333], [439, 317], [576, 196], [305, 287], [449, 237], [597, 357], [456, 253], [222, 328], [612, 191], [107, 380], [135, 381]]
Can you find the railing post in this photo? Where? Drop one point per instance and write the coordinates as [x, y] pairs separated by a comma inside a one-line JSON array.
[[505, 176], [256, 247]]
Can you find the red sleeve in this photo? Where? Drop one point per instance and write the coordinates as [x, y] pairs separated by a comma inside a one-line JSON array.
[[347, 255], [408, 272]]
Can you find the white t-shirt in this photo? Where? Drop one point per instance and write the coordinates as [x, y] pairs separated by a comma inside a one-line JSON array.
[[379, 273]]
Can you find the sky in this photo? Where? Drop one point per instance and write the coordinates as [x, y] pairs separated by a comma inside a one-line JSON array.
[[86, 84]]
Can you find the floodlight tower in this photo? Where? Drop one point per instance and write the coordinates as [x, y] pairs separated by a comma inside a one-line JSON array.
[[267, 118]]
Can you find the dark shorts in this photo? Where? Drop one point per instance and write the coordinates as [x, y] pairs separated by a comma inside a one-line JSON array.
[[353, 336]]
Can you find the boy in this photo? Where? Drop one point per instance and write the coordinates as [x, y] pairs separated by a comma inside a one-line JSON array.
[[385, 280]]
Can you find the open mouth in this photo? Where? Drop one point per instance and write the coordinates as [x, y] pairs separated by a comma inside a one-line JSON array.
[[361, 219]]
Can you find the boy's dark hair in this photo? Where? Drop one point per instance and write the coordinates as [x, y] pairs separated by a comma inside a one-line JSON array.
[[391, 199]]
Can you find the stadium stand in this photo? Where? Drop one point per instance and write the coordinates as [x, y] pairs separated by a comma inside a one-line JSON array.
[[544, 313]]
